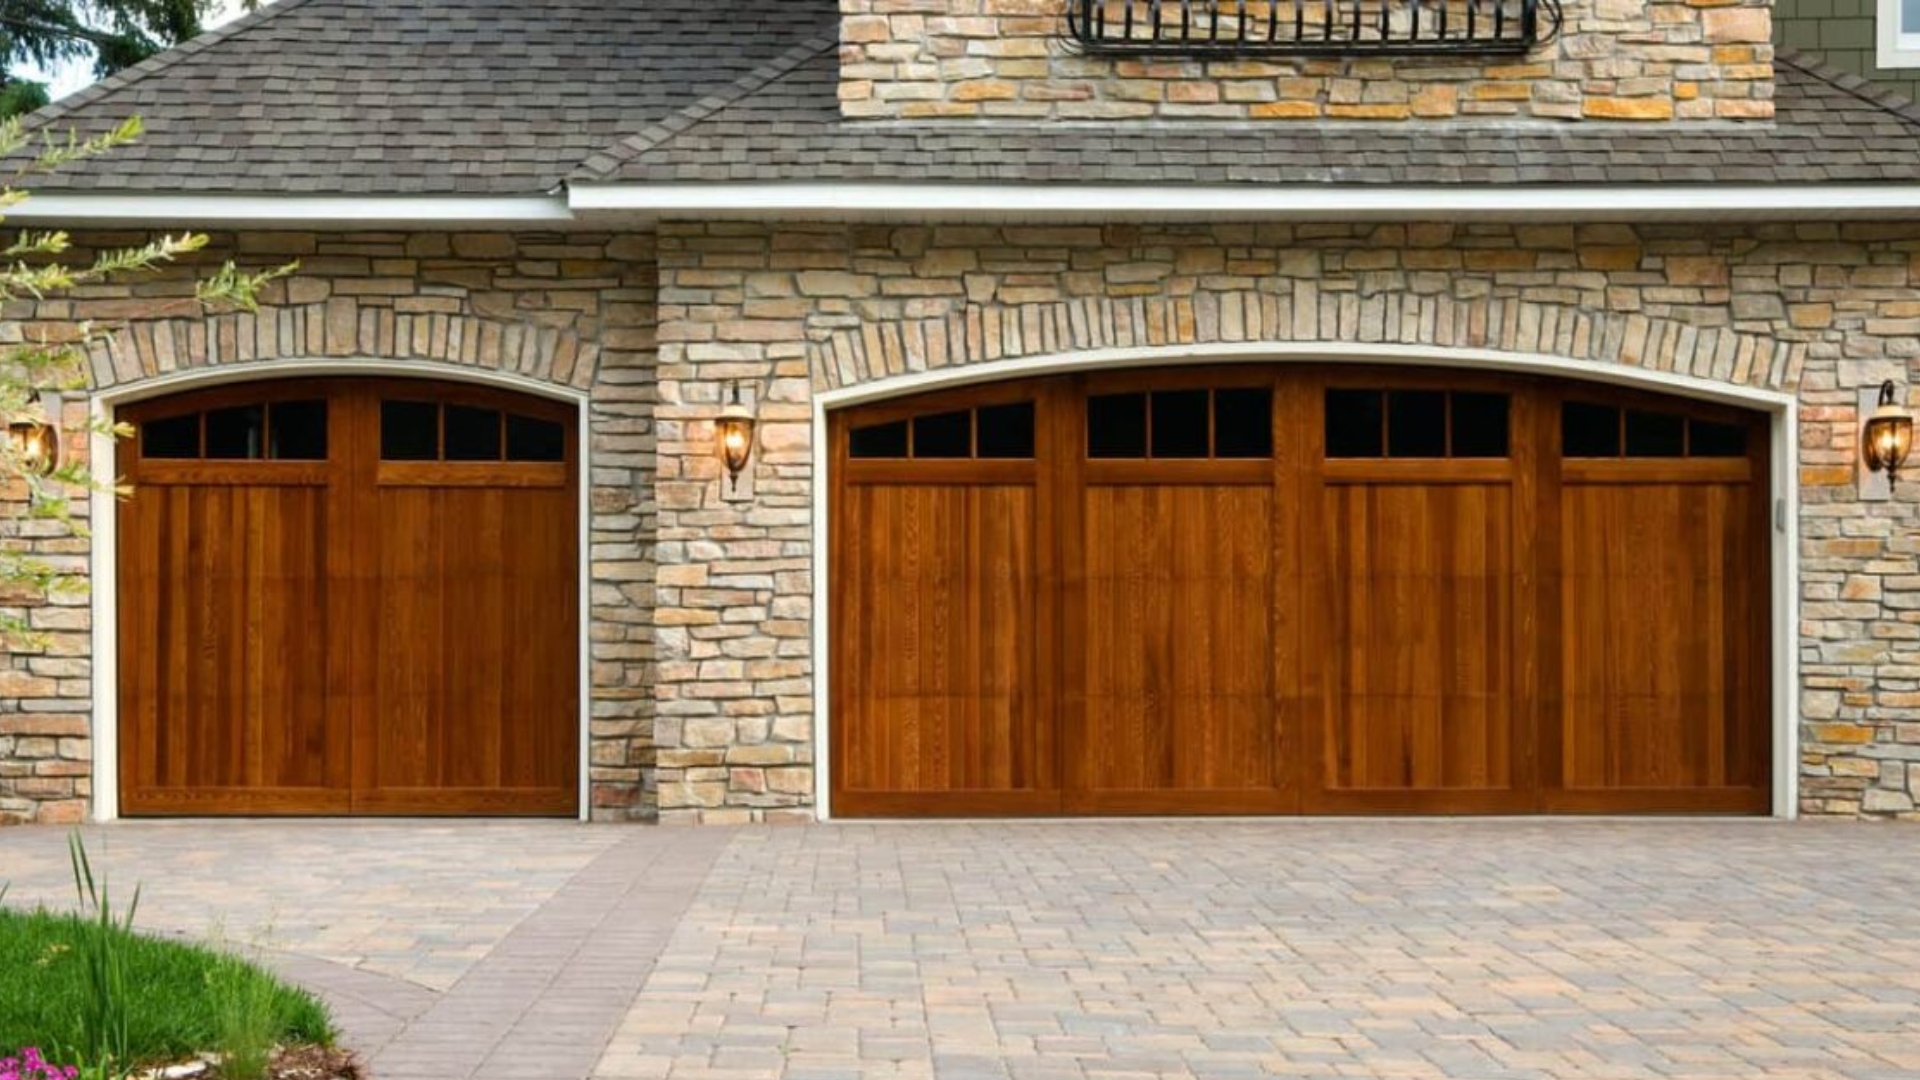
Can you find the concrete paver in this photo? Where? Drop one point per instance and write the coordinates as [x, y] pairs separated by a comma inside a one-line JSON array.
[[1466, 950], [419, 901], [1197, 950]]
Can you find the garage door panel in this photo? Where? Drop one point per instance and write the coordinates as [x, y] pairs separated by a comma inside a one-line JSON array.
[[1420, 591], [299, 639], [474, 639], [224, 647], [944, 626], [1421, 643], [1178, 645], [1661, 683]]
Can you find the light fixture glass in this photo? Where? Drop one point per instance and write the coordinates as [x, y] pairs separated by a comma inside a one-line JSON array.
[[1889, 436], [735, 429], [34, 440]]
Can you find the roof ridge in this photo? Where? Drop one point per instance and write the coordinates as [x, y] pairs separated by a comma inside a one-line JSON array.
[[1850, 83], [163, 60], [605, 162]]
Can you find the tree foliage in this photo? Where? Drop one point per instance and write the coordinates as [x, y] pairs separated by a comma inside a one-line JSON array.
[[34, 267], [110, 34]]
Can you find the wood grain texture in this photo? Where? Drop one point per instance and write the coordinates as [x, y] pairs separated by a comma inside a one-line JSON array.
[[1178, 690], [1492, 635], [298, 638], [1420, 644]]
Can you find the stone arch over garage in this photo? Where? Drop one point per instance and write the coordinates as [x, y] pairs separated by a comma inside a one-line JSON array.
[[343, 329], [1304, 314]]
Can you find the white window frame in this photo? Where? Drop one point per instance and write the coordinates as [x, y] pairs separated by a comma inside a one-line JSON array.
[[1899, 47]]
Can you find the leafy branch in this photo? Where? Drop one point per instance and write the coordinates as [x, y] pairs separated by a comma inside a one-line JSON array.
[[40, 359]]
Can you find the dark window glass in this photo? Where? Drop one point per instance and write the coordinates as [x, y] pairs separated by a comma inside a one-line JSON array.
[[1117, 426], [174, 438], [1005, 431], [943, 435], [532, 439], [1180, 424], [1417, 424], [1652, 434], [1589, 431], [1718, 440], [879, 441], [237, 434], [1354, 423], [298, 430], [1243, 423], [472, 434], [409, 431], [1481, 425]]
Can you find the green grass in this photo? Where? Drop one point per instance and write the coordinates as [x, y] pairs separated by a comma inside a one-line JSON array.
[[180, 1003]]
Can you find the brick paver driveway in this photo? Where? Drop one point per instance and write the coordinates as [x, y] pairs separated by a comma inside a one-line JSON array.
[[1476, 950]]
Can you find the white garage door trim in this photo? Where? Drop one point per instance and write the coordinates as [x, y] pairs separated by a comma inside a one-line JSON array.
[[104, 517], [1783, 409]]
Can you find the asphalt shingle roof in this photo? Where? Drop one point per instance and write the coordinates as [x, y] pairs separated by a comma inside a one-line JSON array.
[[479, 97], [515, 97], [1828, 129]]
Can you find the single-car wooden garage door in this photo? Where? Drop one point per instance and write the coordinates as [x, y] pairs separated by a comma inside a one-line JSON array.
[[1276, 589], [349, 597]]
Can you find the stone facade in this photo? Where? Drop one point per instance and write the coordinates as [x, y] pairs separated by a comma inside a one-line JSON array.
[[1817, 310], [1617, 60], [576, 311], [703, 608]]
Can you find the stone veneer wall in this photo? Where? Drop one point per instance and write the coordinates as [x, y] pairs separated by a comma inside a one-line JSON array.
[[1629, 60], [575, 310], [1816, 309], [702, 609]]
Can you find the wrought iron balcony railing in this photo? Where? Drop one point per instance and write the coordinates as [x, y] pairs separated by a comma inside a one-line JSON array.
[[1239, 28]]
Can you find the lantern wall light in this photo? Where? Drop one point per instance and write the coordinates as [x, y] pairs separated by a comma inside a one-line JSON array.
[[1888, 439], [734, 430], [34, 436]]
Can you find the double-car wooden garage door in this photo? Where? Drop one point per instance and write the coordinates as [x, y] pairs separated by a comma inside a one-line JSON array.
[[1280, 590], [349, 596]]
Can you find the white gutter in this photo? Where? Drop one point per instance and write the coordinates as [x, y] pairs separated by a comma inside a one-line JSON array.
[[603, 204], [1215, 201], [264, 211]]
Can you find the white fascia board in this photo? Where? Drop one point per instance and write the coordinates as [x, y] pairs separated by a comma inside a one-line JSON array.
[[288, 211], [1322, 202]]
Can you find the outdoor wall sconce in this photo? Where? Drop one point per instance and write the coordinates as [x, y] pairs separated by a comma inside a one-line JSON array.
[[734, 430], [1889, 436], [35, 440]]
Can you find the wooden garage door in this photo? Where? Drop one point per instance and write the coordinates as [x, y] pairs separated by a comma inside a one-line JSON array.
[[349, 597], [1268, 589]]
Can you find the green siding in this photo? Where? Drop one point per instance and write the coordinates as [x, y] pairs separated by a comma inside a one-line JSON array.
[[1840, 32]]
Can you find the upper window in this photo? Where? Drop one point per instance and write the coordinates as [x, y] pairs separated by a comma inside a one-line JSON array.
[[431, 431], [1589, 430], [261, 431], [1311, 27], [989, 432], [1899, 33], [1418, 424], [1229, 422]]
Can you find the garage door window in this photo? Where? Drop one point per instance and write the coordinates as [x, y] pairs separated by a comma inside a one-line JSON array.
[[990, 432], [430, 431], [257, 431], [1591, 430], [1417, 424], [1221, 423]]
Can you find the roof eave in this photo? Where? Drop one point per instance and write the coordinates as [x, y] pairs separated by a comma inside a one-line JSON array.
[[1213, 202], [602, 204]]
